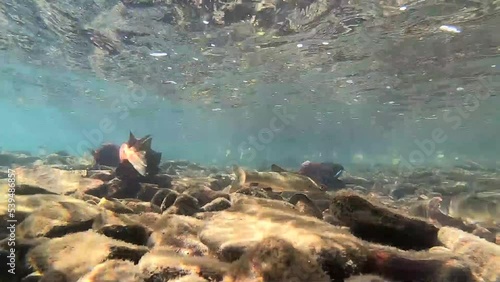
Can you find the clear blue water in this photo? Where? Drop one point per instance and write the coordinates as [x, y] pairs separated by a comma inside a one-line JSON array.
[[428, 99]]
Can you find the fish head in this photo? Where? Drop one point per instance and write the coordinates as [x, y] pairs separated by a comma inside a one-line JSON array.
[[323, 187]]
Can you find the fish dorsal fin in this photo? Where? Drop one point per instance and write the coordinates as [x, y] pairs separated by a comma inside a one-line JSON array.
[[131, 139], [240, 174], [277, 168], [145, 143], [306, 163], [240, 179]]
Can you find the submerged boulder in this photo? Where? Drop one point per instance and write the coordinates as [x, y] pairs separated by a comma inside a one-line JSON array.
[[76, 254], [371, 220], [166, 264], [232, 233], [54, 180], [114, 270], [57, 219]]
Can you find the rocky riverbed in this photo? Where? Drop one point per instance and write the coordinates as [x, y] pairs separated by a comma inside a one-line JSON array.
[[78, 223]]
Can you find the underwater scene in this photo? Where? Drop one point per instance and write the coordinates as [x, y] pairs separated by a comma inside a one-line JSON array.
[[242, 141]]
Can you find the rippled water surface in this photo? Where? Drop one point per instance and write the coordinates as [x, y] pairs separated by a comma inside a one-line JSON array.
[[254, 82]]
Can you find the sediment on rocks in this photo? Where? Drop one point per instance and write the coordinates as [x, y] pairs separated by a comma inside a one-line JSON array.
[[191, 231]]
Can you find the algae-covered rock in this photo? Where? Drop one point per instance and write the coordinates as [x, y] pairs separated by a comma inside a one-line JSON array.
[[179, 233], [117, 188], [55, 180], [147, 191], [274, 259], [366, 278], [189, 278], [204, 194], [26, 204], [148, 219], [483, 255], [218, 204], [114, 271], [258, 193], [404, 189], [162, 180], [166, 264], [184, 205], [121, 227], [373, 221], [138, 206], [6, 186], [400, 265], [103, 175], [164, 198], [233, 233], [74, 255], [56, 219], [250, 220]]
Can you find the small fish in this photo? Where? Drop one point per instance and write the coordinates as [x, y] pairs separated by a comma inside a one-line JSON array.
[[134, 151], [482, 207], [450, 28], [278, 181], [158, 54]]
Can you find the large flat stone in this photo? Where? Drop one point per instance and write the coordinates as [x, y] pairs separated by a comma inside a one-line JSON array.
[[27, 204], [114, 271], [76, 254], [165, 264], [56, 219], [232, 232], [55, 180]]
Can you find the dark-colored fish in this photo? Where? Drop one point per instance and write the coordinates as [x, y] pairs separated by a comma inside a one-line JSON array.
[[108, 155], [326, 168]]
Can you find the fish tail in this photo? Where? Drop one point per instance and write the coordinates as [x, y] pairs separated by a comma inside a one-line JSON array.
[[239, 180]]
